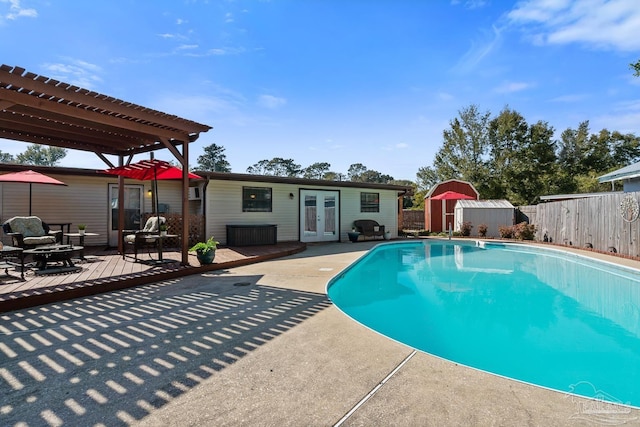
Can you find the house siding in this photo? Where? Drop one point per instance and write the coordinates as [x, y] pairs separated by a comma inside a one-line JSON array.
[[224, 207]]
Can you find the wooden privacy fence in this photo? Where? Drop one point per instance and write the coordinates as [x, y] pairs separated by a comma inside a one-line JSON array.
[[605, 223], [412, 219]]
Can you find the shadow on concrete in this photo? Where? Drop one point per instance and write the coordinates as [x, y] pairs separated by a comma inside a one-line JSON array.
[[113, 358]]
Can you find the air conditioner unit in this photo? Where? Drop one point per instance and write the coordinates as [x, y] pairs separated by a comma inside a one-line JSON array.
[[194, 193]]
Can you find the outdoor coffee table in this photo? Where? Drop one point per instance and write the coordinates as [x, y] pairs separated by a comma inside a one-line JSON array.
[[43, 255], [6, 254]]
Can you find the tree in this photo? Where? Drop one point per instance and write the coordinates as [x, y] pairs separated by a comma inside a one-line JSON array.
[[214, 159], [464, 150], [259, 168], [317, 170], [276, 167], [407, 199], [335, 176], [6, 157], [507, 136], [41, 156], [356, 171], [427, 177], [636, 67]]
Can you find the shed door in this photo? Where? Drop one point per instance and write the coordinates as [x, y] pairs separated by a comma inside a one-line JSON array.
[[319, 213]]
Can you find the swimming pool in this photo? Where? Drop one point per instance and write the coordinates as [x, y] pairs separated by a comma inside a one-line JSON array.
[[542, 316]]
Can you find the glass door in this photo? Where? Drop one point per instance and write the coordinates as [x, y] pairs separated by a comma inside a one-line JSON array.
[[133, 207], [319, 213]]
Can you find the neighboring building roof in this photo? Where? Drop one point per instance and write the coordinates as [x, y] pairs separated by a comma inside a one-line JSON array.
[[627, 172], [484, 204], [558, 197]]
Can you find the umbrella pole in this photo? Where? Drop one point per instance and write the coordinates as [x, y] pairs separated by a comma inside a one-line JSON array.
[[30, 198]]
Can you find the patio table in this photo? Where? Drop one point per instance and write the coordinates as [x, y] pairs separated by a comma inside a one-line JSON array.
[[54, 253]]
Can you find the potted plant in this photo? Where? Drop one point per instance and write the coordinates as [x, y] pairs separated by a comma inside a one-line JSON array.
[[163, 229], [353, 235], [205, 251], [81, 229]]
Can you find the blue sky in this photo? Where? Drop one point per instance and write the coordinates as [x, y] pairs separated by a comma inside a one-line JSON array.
[[338, 81]]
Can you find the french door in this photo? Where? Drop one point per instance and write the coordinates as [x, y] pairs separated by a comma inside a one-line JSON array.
[[133, 207], [319, 216]]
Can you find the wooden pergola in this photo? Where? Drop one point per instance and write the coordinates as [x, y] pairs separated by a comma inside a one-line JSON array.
[[45, 111]]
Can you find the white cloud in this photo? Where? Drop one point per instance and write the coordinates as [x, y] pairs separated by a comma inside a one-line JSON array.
[[479, 50], [570, 98], [611, 24], [17, 11], [76, 72], [271, 102], [511, 87], [444, 96]]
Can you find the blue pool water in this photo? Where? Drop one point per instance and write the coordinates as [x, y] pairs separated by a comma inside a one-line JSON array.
[[542, 316]]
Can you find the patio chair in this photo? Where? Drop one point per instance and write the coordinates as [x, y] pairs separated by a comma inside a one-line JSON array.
[[28, 232], [145, 238]]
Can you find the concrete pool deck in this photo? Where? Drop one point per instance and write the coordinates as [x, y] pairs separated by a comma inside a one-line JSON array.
[[256, 345]]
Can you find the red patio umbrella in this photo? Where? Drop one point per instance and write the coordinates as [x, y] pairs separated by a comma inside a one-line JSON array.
[[452, 195], [30, 177], [148, 170]]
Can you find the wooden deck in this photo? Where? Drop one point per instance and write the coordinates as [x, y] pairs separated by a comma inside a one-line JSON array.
[[107, 271]]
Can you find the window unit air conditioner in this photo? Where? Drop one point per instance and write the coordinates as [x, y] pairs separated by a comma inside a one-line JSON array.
[[194, 193]]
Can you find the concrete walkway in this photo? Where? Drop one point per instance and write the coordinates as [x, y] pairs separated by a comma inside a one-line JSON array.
[[258, 345]]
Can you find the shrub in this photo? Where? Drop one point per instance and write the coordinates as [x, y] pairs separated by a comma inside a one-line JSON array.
[[506, 231], [482, 230], [524, 231], [465, 229]]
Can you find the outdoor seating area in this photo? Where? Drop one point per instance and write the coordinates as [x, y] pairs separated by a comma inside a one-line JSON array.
[[27, 232], [147, 238]]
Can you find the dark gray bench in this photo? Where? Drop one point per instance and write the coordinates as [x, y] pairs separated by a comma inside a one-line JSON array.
[[369, 228]]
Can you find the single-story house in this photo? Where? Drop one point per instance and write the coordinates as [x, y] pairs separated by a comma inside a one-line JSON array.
[[629, 175], [287, 209], [438, 214], [492, 213]]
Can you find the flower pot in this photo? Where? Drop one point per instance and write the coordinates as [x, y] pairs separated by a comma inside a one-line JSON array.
[[205, 257], [81, 232], [353, 236], [163, 233]]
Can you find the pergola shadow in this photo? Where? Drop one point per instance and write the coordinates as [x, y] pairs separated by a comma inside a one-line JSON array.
[[114, 358]]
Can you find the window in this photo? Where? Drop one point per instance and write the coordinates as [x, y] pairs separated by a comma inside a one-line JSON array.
[[369, 202], [256, 199]]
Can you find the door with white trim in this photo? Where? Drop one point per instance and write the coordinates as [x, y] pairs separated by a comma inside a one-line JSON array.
[[133, 205], [319, 216]]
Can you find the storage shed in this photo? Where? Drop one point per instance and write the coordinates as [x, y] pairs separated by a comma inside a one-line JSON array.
[[438, 214], [493, 213]]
